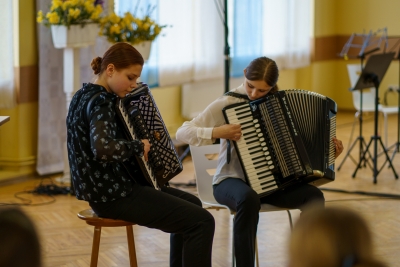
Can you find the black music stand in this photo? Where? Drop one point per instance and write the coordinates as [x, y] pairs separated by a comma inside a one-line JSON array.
[[363, 44], [396, 145], [360, 137], [371, 76]]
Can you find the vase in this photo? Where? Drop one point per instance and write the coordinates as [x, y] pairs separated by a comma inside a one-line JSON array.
[[71, 40], [75, 36], [144, 49]]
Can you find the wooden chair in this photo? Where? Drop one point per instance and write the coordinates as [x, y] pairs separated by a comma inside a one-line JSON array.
[[92, 219]]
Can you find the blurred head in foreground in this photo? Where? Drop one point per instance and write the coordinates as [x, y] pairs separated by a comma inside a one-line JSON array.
[[331, 237], [19, 241]]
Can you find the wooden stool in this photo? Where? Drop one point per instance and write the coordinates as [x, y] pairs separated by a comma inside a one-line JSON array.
[[92, 219]]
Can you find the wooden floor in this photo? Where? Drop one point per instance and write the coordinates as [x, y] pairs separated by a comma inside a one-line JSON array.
[[67, 241]]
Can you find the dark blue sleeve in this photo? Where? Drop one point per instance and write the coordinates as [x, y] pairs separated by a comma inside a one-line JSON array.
[[106, 144]]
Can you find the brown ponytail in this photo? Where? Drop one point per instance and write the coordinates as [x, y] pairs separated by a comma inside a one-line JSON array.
[[96, 65]]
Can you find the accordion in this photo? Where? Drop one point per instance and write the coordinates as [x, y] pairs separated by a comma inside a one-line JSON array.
[[286, 139], [142, 120]]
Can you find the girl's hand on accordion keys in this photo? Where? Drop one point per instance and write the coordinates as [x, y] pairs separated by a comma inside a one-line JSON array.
[[146, 148], [338, 146], [228, 131]]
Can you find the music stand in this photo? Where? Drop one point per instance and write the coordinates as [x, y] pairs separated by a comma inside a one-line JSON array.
[[371, 76], [360, 137], [396, 145], [363, 44]]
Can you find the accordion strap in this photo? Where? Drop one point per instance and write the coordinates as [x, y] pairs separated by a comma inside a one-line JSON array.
[[89, 106], [245, 97]]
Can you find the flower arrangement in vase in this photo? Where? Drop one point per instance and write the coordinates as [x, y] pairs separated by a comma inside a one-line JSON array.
[[73, 23], [139, 32]]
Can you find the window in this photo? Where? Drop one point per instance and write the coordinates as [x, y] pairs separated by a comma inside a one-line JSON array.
[[280, 30], [192, 49], [7, 92]]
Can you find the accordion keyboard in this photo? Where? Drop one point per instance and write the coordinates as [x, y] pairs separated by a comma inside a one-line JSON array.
[[129, 127], [253, 150]]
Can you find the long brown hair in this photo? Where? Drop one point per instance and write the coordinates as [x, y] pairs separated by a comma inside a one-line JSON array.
[[265, 69], [121, 55]]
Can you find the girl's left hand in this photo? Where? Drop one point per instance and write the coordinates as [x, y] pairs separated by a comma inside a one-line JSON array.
[[338, 146], [146, 149]]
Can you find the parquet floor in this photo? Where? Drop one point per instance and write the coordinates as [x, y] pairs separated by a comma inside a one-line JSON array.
[[67, 241]]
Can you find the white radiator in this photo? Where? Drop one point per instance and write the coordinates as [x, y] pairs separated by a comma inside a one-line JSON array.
[[196, 96]]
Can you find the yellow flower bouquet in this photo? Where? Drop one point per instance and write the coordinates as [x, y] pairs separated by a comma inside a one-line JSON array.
[[129, 28], [71, 12]]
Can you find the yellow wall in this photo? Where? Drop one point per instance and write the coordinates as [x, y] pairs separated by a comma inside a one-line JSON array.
[[168, 100], [325, 17], [359, 15], [18, 138], [344, 17]]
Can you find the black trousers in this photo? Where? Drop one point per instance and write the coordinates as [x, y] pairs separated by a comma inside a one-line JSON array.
[[172, 211], [238, 196]]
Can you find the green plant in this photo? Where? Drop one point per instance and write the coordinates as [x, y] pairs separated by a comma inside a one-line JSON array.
[[129, 28], [71, 12]]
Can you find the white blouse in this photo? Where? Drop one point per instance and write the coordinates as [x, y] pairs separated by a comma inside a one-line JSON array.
[[198, 132]]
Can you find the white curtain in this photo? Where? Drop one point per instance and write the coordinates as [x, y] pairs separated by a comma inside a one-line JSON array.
[[193, 47], [287, 32], [7, 91]]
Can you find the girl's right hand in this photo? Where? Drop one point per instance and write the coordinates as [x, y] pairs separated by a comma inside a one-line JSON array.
[[228, 131], [146, 149]]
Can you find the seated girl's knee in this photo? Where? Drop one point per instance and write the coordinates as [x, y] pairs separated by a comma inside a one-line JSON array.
[[195, 200], [313, 193], [316, 198], [250, 201], [318, 195], [209, 220]]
